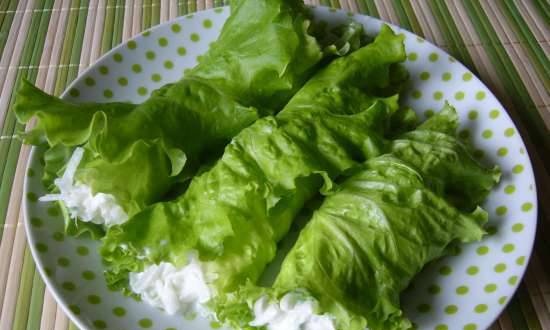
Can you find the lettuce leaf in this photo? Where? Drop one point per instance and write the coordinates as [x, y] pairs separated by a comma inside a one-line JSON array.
[[448, 164], [374, 232], [252, 70], [369, 239], [234, 214], [263, 55], [153, 141], [59, 121]]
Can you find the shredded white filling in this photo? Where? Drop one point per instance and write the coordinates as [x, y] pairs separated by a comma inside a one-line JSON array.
[[184, 290], [101, 209], [291, 313]]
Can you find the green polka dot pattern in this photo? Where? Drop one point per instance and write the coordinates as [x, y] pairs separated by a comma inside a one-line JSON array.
[[489, 288], [123, 81], [88, 275], [150, 55], [462, 290], [467, 76], [82, 250], [100, 324], [445, 270], [156, 77], [132, 44], [434, 289], [465, 290], [501, 210], [451, 309], [36, 222], [163, 42], [176, 28], [182, 51], [145, 323], [119, 311], [423, 308], [482, 250], [69, 286], [494, 114]]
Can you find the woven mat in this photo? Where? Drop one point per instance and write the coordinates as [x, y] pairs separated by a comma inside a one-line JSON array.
[[507, 43]]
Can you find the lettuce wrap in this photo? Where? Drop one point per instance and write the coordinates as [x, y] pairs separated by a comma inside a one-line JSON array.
[[264, 54], [232, 216], [372, 234]]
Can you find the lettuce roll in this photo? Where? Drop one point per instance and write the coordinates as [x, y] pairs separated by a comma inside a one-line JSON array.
[[231, 217], [372, 234], [252, 70]]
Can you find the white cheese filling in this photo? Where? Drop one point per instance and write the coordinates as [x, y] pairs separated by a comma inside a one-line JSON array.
[[101, 209], [291, 313], [174, 290]]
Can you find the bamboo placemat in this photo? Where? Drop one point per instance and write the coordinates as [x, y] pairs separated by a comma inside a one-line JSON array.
[[49, 42]]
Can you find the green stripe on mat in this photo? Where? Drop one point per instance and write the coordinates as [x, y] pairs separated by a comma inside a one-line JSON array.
[[25, 292], [451, 33], [335, 4], [537, 55], [9, 149], [146, 14], [3, 8], [37, 300], [118, 24], [108, 27], [516, 314], [406, 13], [527, 309], [5, 24], [401, 15], [155, 10], [369, 7], [79, 38], [543, 9], [191, 6], [511, 80], [182, 8], [68, 40]]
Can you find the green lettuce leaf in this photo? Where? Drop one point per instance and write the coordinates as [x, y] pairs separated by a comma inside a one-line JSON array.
[[369, 239], [263, 55], [59, 121], [177, 127], [252, 70], [449, 165], [339, 40], [374, 232], [234, 214], [55, 159]]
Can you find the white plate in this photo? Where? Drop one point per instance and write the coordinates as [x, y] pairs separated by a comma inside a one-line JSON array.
[[465, 291]]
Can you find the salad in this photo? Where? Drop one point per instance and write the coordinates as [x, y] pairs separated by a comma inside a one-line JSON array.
[[278, 113], [183, 125]]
